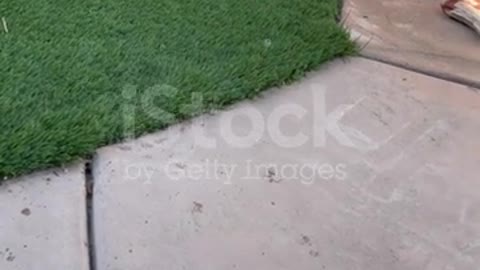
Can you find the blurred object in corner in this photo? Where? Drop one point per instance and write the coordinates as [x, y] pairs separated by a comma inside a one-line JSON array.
[[465, 11]]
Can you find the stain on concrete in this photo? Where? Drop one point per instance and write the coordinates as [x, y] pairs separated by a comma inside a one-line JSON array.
[[271, 176], [124, 147], [10, 257], [197, 207], [180, 165], [380, 118], [313, 253], [305, 240], [146, 145], [160, 141], [26, 212]]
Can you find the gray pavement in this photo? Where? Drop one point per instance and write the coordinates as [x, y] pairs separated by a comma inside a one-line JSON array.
[[416, 35], [399, 191], [43, 221]]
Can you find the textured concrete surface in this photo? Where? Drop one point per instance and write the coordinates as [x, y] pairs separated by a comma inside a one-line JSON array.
[[415, 34], [43, 221], [400, 190]]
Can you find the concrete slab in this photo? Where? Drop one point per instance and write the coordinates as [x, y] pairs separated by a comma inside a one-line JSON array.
[[43, 221], [393, 184], [415, 34]]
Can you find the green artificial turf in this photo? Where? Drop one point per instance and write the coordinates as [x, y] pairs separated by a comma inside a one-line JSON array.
[[72, 70]]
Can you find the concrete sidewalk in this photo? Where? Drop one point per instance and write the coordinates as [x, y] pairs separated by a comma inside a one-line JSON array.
[[394, 185], [415, 35], [43, 221], [404, 195]]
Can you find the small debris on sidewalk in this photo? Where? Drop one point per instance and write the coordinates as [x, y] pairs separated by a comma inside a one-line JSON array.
[[465, 11], [26, 212]]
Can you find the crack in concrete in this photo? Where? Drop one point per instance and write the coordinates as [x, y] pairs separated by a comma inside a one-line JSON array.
[[472, 85], [89, 187]]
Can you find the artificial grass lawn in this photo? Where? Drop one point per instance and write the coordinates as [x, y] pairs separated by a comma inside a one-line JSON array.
[[64, 65]]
